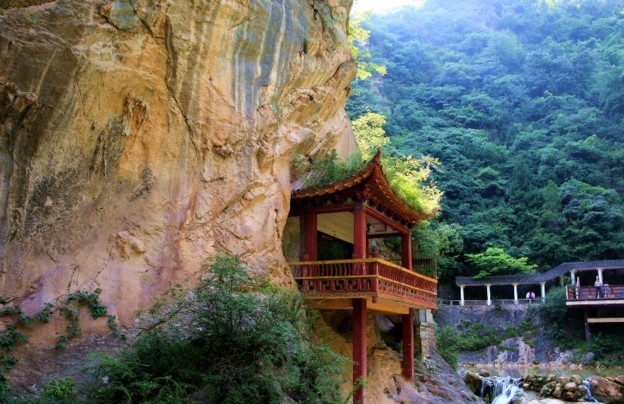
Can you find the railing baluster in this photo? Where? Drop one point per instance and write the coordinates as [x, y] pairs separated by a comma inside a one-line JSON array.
[[366, 275]]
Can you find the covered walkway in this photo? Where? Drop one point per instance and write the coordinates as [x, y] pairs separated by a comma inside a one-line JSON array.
[[573, 268]]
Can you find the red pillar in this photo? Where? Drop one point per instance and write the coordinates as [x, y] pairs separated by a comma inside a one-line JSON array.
[[310, 248], [408, 345], [406, 249], [359, 231], [359, 347], [359, 237]]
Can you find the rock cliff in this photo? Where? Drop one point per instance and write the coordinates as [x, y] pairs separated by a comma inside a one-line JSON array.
[[140, 137]]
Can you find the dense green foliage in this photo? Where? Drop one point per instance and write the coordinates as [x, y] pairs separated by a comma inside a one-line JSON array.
[[494, 261], [447, 341], [358, 39], [523, 103], [232, 340]]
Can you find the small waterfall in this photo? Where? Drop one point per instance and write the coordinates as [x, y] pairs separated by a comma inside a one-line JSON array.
[[588, 394], [501, 390]]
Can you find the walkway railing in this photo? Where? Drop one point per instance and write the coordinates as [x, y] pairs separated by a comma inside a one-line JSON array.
[[484, 302], [592, 292], [370, 277]]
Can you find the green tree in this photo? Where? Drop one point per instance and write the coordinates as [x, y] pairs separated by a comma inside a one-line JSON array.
[[369, 133], [358, 39], [494, 261]]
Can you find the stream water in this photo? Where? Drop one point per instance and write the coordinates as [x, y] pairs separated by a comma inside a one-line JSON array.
[[505, 389], [502, 390], [588, 395]]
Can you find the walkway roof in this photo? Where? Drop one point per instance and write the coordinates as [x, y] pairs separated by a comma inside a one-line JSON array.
[[549, 275]]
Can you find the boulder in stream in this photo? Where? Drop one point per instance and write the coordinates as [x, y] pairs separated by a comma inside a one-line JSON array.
[[606, 390]]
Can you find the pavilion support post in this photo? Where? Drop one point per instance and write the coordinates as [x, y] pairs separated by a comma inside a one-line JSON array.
[[359, 236], [310, 249], [408, 345], [406, 249], [310, 242], [543, 289], [489, 295], [587, 333], [573, 276], [359, 349], [600, 276], [515, 286], [461, 295]]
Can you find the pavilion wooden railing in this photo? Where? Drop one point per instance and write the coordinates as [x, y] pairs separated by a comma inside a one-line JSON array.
[[590, 292], [424, 266], [370, 277]]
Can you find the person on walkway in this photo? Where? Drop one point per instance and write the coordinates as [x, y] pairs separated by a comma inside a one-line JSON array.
[[528, 296], [598, 286], [532, 296]]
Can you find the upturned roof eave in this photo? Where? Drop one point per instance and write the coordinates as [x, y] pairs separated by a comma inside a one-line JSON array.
[[373, 170]]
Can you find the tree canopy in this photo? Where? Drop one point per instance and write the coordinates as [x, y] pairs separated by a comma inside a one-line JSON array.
[[522, 101]]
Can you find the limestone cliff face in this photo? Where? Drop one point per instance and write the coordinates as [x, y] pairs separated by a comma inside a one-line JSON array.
[[140, 137]]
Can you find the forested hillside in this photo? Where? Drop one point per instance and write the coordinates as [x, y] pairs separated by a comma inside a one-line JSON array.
[[522, 101]]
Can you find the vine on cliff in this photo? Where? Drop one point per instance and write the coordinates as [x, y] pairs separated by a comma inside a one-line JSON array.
[[11, 335]]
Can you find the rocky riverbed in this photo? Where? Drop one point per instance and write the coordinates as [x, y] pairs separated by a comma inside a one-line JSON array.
[[547, 387]]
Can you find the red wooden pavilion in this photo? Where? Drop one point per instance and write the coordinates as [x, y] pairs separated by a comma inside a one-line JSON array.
[[360, 208]]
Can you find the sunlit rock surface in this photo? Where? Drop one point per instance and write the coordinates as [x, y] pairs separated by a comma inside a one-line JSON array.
[[140, 137]]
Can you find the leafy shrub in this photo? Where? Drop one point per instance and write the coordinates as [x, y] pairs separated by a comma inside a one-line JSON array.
[[475, 337], [331, 168], [232, 339], [555, 313], [447, 341], [62, 390]]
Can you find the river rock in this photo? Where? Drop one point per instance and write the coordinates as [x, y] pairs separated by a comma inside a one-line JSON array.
[[516, 351], [605, 390], [570, 386], [557, 391], [474, 382], [562, 380], [484, 373], [588, 358], [619, 380]]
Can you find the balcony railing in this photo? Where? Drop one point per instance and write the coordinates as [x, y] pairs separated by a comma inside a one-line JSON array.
[[363, 278], [610, 292], [424, 266]]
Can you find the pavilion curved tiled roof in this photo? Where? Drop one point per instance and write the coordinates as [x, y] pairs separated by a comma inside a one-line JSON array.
[[372, 184], [549, 275]]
